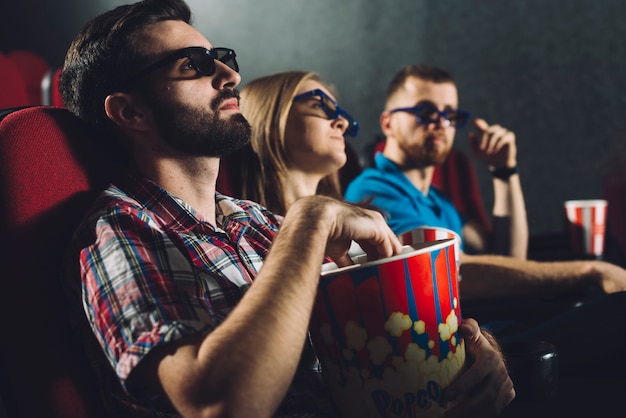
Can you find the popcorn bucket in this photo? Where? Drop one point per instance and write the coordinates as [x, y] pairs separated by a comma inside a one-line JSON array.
[[387, 332], [587, 224], [433, 233]]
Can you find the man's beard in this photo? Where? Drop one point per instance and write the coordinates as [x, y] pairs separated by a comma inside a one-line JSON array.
[[424, 157], [436, 158], [197, 132]]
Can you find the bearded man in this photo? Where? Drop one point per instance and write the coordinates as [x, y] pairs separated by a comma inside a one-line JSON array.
[[419, 122]]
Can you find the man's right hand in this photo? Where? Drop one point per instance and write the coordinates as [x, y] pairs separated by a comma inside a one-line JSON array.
[[347, 223], [493, 145]]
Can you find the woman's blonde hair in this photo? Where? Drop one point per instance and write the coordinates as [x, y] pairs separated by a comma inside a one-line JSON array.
[[266, 102]]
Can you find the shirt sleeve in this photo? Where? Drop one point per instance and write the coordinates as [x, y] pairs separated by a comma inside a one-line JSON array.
[[376, 192], [129, 293]]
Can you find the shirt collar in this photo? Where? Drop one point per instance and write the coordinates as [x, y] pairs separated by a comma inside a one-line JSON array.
[[385, 164], [178, 214]]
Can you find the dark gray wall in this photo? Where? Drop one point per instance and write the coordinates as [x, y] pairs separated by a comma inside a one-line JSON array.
[[550, 71]]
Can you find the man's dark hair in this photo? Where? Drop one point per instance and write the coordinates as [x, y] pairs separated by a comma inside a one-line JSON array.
[[423, 72], [106, 52]]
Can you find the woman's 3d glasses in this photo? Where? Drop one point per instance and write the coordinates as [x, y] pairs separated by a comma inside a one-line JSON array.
[[427, 114], [200, 58], [331, 109]]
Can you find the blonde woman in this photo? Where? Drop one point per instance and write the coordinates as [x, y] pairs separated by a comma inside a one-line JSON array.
[[297, 144]]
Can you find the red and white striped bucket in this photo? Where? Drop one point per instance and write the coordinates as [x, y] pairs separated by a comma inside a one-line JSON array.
[[587, 224], [387, 332], [433, 233]]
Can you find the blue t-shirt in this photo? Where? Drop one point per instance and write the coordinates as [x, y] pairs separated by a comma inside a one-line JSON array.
[[404, 206]]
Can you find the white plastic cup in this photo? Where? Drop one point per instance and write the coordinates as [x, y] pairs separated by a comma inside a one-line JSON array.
[[587, 225]]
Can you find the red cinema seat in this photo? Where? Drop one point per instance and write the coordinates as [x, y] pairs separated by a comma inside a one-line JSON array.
[[50, 88], [13, 91], [457, 178], [33, 68], [49, 174]]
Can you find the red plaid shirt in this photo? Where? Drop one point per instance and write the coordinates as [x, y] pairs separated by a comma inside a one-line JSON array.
[[152, 272]]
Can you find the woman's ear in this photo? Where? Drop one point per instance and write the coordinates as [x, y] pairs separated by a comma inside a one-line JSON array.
[[126, 111]]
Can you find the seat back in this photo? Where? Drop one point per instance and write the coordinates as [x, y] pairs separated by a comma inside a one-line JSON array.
[[33, 68], [12, 86], [50, 88], [457, 179], [49, 174]]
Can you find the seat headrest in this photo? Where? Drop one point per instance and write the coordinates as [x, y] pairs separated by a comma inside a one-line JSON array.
[[46, 156]]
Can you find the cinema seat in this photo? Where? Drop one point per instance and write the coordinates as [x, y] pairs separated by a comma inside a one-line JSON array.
[[49, 174], [33, 68], [50, 88], [12, 86]]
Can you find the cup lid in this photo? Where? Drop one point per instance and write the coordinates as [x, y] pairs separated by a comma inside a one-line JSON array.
[[586, 202]]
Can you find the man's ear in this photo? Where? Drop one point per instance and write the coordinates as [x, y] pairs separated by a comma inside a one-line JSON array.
[[126, 110], [385, 121]]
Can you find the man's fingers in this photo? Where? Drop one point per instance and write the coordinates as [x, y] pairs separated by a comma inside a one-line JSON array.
[[481, 124], [484, 388], [343, 261]]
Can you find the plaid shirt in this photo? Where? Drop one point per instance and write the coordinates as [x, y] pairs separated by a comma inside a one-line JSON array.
[[152, 271]]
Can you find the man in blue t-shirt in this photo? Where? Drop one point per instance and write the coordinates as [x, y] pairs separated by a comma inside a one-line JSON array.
[[419, 122]]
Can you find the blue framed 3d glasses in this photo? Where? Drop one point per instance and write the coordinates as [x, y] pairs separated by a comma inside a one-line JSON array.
[[331, 109], [427, 114], [201, 59]]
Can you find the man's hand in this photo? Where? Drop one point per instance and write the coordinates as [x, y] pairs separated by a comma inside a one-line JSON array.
[[484, 387], [611, 278], [494, 145], [368, 228]]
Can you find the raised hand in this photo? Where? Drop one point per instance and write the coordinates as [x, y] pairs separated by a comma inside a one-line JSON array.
[[494, 145]]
